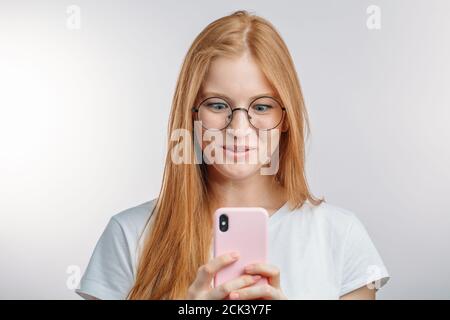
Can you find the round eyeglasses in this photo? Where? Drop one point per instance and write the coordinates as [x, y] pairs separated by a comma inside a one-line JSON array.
[[215, 113]]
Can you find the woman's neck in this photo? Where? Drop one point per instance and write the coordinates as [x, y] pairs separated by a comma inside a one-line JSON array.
[[255, 191]]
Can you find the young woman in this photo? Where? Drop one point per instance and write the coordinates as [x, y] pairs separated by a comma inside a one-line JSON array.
[[238, 79]]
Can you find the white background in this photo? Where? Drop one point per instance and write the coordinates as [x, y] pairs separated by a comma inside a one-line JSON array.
[[83, 121]]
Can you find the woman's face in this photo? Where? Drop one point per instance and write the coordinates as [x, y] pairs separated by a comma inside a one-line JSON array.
[[238, 151]]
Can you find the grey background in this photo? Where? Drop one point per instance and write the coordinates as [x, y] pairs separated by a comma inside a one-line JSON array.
[[84, 114]]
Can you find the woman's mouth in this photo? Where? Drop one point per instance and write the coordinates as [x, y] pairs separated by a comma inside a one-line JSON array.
[[238, 150]]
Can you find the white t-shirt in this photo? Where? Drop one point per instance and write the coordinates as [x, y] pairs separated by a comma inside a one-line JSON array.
[[322, 252]]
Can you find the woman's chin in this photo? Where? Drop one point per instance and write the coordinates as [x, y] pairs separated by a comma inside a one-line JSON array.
[[238, 171]]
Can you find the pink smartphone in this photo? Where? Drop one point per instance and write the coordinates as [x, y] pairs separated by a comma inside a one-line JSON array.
[[245, 230]]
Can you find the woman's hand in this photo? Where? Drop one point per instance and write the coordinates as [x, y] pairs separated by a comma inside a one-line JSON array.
[[201, 288], [271, 291]]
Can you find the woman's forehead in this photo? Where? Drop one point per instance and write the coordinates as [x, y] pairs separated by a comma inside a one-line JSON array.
[[236, 78]]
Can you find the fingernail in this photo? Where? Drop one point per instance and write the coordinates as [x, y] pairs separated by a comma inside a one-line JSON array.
[[234, 295], [235, 255], [256, 278], [249, 268]]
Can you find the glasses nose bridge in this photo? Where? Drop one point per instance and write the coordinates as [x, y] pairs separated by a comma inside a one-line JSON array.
[[239, 109]]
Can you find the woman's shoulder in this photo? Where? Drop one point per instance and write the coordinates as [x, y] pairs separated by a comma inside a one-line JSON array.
[[333, 211], [134, 219], [331, 215]]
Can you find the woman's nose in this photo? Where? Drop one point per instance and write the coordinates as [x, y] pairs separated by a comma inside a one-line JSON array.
[[239, 121]]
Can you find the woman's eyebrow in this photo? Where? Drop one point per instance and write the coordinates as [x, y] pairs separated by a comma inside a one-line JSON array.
[[216, 94]]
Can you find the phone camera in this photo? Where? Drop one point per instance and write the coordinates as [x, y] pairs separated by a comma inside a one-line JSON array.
[[223, 222]]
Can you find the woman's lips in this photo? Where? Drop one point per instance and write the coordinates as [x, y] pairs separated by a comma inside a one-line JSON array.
[[238, 149]]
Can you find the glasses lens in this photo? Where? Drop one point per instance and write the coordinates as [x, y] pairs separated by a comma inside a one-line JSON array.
[[265, 113], [214, 113]]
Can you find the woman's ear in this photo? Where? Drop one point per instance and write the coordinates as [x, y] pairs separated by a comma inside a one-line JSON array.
[[285, 125]]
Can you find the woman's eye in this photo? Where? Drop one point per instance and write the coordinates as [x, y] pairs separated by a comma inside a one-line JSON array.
[[262, 107], [216, 106]]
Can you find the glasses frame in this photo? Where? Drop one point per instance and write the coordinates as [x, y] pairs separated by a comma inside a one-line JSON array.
[[230, 105]]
